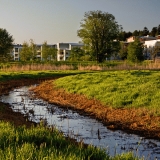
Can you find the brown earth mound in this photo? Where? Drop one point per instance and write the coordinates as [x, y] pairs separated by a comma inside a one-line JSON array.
[[138, 121]]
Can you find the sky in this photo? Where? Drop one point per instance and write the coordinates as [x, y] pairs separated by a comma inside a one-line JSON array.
[[57, 21]]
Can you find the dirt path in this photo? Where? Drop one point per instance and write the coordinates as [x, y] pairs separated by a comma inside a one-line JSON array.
[[138, 121]]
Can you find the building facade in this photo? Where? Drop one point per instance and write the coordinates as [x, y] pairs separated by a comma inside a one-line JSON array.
[[64, 50]]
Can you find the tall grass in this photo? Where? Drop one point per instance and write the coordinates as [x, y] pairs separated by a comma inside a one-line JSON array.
[[67, 65], [39, 143], [117, 89]]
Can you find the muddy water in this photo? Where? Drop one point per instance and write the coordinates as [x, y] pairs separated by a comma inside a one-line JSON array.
[[80, 127]]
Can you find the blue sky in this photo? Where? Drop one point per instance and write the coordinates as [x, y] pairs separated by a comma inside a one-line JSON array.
[[58, 20]]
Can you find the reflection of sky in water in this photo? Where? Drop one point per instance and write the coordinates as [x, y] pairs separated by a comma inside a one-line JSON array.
[[81, 127]]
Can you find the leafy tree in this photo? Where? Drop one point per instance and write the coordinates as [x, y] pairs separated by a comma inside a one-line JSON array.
[[25, 53], [145, 31], [140, 33], [6, 44], [135, 33], [135, 51], [124, 35], [153, 51], [48, 52], [98, 30], [123, 51], [153, 31], [158, 30], [76, 54], [33, 49]]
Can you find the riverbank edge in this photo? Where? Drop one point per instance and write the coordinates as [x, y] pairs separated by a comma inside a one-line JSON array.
[[132, 120], [6, 113]]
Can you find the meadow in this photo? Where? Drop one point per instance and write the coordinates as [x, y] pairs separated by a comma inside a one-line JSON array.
[[117, 89]]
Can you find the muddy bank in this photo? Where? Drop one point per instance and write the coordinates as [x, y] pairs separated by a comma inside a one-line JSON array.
[[138, 121], [6, 113]]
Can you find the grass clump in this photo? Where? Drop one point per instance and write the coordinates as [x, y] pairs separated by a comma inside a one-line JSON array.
[[21, 143], [41, 143], [117, 88]]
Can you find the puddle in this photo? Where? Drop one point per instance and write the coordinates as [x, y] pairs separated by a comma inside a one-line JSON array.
[[82, 128]]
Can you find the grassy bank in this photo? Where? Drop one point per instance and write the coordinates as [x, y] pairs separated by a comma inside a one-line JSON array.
[[117, 89], [39, 142], [5, 76]]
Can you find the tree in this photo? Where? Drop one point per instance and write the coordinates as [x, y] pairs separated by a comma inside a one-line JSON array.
[[145, 31], [153, 31], [154, 51], [123, 51], [98, 30], [48, 52], [33, 49], [140, 33], [76, 54], [135, 51], [25, 53], [135, 33], [6, 44], [158, 30], [124, 35]]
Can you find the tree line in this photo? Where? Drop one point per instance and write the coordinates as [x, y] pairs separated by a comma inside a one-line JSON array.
[[29, 52], [101, 35], [154, 32]]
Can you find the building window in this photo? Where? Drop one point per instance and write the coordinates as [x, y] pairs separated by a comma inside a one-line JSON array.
[[16, 49]]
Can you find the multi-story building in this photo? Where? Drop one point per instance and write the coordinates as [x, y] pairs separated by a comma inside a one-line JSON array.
[[64, 50], [18, 47], [149, 46], [16, 52]]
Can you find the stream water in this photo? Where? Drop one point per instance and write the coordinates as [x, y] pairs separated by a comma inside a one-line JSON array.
[[82, 128]]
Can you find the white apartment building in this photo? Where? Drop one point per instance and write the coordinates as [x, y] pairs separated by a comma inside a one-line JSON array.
[[148, 46], [64, 49], [15, 52], [18, 47]]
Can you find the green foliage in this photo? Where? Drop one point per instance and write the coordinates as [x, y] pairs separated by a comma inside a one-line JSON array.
[[117, 88], [42, 143], [98, 30], [6, 44], [48, 53], [25, 53], [123, 51], [153, 51], [76, 54], [5, 76], [135, 51]]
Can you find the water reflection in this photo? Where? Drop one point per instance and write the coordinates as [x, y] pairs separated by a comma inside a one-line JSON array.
[[82, 128]]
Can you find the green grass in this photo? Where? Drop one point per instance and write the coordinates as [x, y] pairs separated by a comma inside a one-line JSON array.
[[39, 143], [117, 88], [5, 76]]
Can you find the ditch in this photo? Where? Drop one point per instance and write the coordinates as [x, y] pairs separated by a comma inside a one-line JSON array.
[[80, 127]]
